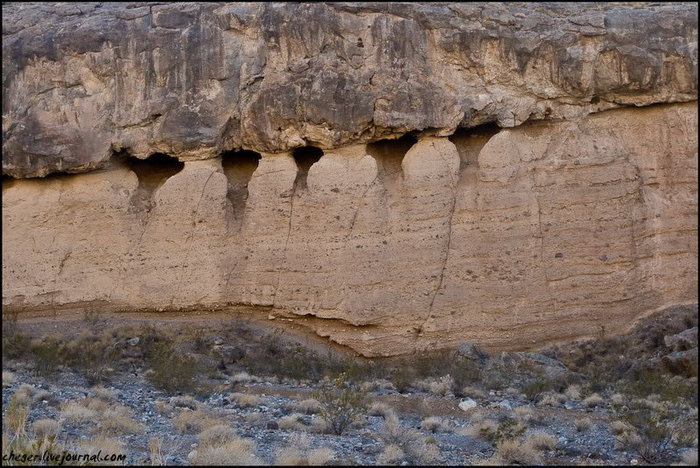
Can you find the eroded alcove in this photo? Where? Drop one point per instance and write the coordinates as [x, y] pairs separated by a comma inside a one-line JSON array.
[[239, 167], [389, 154], [152, 173], [305, 157], [469, 142]]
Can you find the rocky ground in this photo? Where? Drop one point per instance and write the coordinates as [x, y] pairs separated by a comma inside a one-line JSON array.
[[185, 397]]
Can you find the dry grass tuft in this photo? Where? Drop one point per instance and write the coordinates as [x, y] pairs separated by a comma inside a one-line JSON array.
[[104, 394], [379, 409], [473, 392], [583, 424], [234, 452], [391, 455], [542, 441], [44, 428], [293, 422], [593, 401], [245, 400], [618, 399], [299, 453], [8, 378], [552, 399], [434, 424], [573, 392], [308, 406], [217, 435], [483, 429], [514, 451], [106, 445], [119, 420], [185, 401], [690, 457], [155, 447], [72, 411], [191, 422], [619, 427], [416, 448]]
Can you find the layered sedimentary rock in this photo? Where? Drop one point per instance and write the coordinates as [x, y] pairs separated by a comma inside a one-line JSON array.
[[520, 205]]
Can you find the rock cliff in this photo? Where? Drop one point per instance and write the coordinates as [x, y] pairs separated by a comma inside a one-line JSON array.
[[396, 177]]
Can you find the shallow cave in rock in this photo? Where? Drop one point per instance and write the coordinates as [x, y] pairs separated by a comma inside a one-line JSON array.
[[239, 167], [305, 157], [152, 172], [390, 153], [469, 142]]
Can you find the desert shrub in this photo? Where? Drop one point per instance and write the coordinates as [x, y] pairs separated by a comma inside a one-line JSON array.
[[46, 355], [534, 389], [171, 370], [16, 346], [91, 357], [340, 403]]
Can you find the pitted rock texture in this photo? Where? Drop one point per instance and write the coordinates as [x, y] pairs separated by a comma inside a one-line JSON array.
[[82, 81], [508, 238]]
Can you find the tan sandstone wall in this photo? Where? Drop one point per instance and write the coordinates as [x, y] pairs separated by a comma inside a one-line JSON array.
[[510, 238]]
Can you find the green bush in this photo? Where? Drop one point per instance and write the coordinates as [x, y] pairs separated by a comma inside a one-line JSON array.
[[171, 371], [340, 403]]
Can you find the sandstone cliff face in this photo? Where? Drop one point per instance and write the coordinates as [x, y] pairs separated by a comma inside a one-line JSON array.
[[569, 222]]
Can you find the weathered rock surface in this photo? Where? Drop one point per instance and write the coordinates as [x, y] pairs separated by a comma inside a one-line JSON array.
[[574, 221], [507, 239], [81, 81]]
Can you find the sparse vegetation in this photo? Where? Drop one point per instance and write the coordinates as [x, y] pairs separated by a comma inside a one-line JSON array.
[[340, 403], [656, 414]]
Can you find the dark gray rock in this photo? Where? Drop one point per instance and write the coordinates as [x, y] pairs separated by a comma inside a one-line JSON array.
[[83, 81]]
